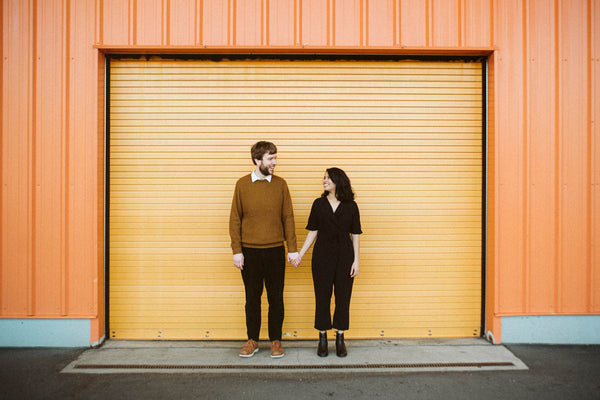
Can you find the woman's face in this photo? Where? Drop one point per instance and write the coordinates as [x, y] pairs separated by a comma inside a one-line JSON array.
[[328, 184]]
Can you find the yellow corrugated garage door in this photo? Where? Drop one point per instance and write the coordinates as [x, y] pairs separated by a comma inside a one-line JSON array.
[[408, 133]]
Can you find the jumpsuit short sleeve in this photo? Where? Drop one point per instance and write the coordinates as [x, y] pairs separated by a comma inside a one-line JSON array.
[[313, 218], [355, 228]]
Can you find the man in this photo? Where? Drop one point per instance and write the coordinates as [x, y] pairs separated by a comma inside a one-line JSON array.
[[261, 220]]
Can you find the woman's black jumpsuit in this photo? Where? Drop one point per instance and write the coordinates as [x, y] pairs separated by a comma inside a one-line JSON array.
[[332, 260]]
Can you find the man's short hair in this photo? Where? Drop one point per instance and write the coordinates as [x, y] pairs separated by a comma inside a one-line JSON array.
[[261, 148]]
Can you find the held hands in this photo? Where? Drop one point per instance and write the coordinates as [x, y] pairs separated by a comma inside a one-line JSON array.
[[294, 259], [296, 263]]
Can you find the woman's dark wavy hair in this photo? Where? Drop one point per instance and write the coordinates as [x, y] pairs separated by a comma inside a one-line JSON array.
[[343, 189]]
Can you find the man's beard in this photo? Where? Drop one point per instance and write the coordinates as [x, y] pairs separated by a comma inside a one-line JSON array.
[[264, 170]]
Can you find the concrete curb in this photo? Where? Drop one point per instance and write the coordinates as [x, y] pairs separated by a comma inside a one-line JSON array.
[[373, 356]]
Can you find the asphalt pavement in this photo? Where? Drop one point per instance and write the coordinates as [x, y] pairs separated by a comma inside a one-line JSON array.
[[552, 372]]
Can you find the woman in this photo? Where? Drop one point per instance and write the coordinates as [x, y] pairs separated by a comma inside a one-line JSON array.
[[334, 222]]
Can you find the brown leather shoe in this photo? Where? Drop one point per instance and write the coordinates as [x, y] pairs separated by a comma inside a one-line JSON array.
[[276, 349], [249, 348]]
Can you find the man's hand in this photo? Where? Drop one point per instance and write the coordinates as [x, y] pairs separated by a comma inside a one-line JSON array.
[[238, 261]]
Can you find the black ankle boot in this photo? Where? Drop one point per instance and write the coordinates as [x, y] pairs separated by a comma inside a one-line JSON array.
[[322, 348], [340, 347]]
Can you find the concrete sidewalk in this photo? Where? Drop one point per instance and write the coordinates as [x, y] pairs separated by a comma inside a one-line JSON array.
[[363, 356], [555, 373]]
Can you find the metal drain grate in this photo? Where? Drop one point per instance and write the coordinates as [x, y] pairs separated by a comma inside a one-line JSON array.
[[258, 367]]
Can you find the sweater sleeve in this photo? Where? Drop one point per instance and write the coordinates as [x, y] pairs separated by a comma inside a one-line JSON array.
[[287, 218], [235, 221]]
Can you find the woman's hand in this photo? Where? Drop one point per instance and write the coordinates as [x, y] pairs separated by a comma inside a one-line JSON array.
[[355, 269]]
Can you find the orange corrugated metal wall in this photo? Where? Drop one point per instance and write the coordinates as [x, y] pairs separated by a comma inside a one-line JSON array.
[[547, 159], [50, 177], [544, 194]]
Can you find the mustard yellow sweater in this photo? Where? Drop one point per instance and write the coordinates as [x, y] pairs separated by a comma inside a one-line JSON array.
[[261, 215]]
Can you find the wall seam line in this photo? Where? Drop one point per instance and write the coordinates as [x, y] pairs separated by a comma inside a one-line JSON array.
[[492, 24], [595, 185], [198, 22], [65, 163], [32, 162], [526, 166], [298, 23], [558, 162], [397, 41], [132, 21], [99, 20], [166, 22], [331, 21], [460, 22], [364, 24], [264, 36], [232, 9], [3, 23], [428, 22], [590, 211]]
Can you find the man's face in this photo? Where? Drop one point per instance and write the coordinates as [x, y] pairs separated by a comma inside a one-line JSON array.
[[267, 165]]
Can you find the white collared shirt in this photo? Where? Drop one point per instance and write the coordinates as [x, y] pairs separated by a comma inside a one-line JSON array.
[[256, 178]]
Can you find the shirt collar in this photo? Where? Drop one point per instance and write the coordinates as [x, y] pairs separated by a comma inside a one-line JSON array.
[[256, 178]]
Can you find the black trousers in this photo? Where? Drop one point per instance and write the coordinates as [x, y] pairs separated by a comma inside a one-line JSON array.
[[264, 266], [331, 278]]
